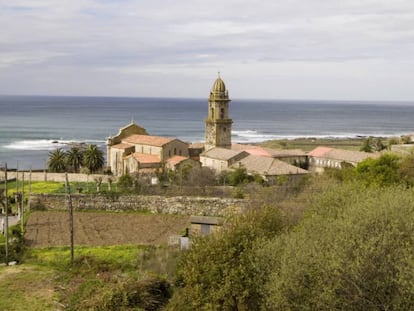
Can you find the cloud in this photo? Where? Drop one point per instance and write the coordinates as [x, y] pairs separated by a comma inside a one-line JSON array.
[[152, 41]]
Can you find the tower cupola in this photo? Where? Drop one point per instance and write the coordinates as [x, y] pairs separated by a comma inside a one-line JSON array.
[[219, 89], [218, 123]]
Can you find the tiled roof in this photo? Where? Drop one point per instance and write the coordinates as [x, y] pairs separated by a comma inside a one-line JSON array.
[[319, 151], [222, 153], [157, 141], [196, 145], [122, 146], [269, 166], [146, 158], [268, 152], [341, 154], [176, 159]]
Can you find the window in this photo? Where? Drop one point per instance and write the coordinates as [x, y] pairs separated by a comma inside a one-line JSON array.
[[222, 113], [205, 229]]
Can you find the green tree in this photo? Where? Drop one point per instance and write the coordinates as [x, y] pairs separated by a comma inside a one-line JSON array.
[[125, 183], [239, 176], [57, 161], [74, 158], [383, 171], [372, 144], [93, 158]]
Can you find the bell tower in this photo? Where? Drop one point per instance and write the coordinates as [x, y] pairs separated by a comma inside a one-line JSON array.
[[218, 123]]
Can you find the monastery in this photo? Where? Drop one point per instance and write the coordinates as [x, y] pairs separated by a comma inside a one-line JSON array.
[[134, 150]]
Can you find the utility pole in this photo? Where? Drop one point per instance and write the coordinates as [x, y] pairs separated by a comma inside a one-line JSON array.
[[6, 221], [70, 219], [30, 189], [22, 206]]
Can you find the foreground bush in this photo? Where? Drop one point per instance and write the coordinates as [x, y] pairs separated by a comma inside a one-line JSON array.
[[353, 251], [222, 271]]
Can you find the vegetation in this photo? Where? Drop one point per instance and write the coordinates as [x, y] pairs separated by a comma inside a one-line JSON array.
[[74, 159], [372, 144], [91, 158], [57, 161], [307, 144], [102, 278], [353, 251], [222, 271], [343, 240]]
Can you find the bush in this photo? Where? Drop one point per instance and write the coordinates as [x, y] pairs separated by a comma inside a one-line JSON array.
[[353, 251], [222, 271]]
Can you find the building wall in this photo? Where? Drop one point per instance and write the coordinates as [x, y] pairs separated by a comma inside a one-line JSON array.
[[131, 165], [175, 147], [215, 164], [317, 164]]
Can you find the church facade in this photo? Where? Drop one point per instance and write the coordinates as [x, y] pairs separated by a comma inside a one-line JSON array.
[[134, 150]]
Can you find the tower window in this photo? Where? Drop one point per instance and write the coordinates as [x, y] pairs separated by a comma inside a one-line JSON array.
[[224, 129], [222, 113]]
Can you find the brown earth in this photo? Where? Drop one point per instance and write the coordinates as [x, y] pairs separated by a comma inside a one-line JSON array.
[[45, 229]]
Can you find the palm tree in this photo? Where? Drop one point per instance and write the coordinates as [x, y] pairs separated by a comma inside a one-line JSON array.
[[93, 158], [57, 161], [74, 158]]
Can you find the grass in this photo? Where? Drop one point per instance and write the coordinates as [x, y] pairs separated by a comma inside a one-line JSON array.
[[26, 287], [307, 144], [59, 257], [48, 187], [48, 281]]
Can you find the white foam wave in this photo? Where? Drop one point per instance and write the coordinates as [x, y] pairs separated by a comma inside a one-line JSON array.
[[44, 144], [251, 136]]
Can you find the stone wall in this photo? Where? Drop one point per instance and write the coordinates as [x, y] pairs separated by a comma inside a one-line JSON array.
[[182, 205]]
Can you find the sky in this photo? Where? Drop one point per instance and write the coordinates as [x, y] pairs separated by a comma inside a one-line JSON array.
[[268, 49]]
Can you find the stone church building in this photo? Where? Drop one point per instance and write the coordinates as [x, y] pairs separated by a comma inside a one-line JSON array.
[[134, 150]]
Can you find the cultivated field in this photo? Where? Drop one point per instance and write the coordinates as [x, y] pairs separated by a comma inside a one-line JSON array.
[[46, 229]]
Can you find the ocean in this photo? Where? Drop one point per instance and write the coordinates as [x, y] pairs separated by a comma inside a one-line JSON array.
[[32, 126]]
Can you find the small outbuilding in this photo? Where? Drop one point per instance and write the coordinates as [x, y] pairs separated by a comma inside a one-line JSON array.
[[204, 225]]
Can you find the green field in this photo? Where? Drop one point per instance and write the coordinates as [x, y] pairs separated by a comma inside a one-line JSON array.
[[307, 144]]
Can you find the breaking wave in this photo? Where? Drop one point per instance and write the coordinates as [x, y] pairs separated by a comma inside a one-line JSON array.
[[46, 144]]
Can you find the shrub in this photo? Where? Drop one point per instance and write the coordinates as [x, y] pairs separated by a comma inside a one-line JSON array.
[[222, 271], [353, 251]]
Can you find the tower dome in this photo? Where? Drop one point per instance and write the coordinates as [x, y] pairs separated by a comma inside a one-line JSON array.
[[219, 86], [219, 89]]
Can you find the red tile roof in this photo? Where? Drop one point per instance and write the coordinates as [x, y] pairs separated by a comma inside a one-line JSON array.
[[157, 141], [146, 158], [320, 151], [122, 146], [341, 154], [176, 159], [268, 152]]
